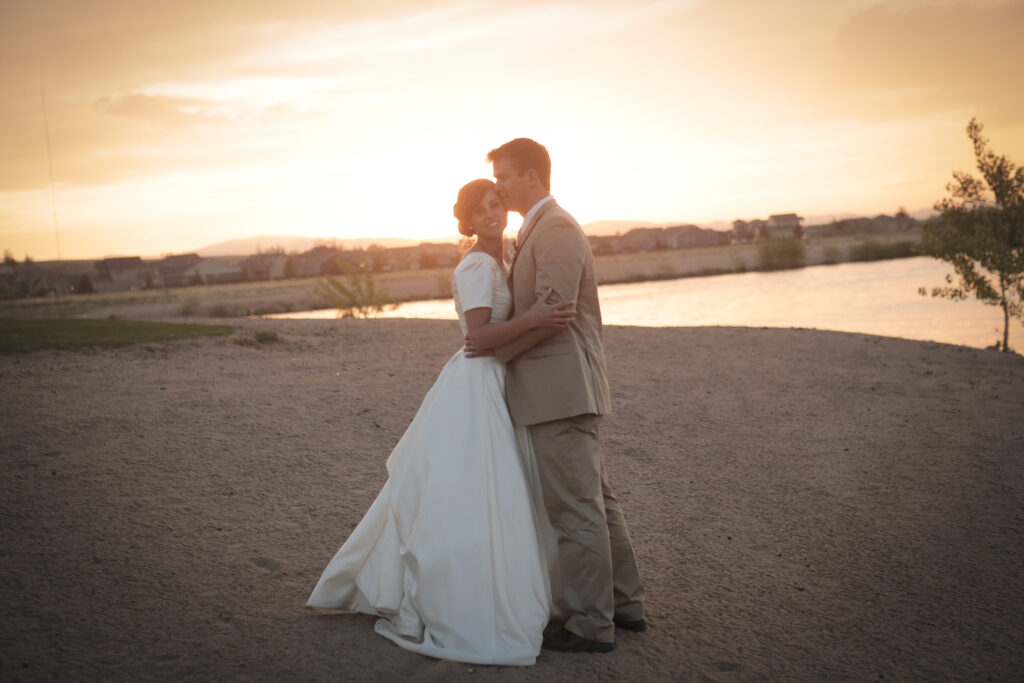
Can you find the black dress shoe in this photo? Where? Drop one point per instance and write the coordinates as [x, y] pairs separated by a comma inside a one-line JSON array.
[[567, 641], [553, 627], [636, 625]]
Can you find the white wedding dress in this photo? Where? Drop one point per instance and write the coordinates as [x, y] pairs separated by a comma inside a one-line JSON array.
[[448, 554]]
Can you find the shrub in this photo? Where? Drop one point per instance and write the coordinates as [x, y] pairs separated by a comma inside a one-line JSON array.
[[84, 285], [779, 253], [189, 306], [359, 298], [258, 337], [873, 250]]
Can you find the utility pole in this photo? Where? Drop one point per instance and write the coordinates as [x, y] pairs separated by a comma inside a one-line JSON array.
[[49, 158]]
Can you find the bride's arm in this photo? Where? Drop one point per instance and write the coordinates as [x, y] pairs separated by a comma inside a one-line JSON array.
[[484, 335]]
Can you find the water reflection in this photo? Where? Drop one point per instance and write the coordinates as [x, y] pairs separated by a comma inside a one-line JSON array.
[[874, 298]]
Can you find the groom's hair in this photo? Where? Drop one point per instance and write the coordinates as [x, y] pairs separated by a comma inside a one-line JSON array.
[[525, 154]]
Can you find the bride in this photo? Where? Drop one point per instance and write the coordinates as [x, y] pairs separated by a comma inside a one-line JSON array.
[[448, 554]]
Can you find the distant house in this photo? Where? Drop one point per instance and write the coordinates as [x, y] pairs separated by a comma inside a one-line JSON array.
[[691, 236], [783, 225], [860, 226], [170, 270], [884, 223], [323, 260], [119, 274], [602, 244], [742, 233], [434, 255], [47, 278], [344, 262], [267, 266], [777, 225], [312, 263], [653, 239], [642, 239], [396, 259], [29, 279], [419, 257], [79, 277], [212, 271]]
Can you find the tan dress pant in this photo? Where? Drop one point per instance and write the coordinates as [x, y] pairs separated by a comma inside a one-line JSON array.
[[597, 572]]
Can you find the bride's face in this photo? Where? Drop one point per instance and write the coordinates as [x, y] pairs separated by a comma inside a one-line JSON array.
[[489, 217]]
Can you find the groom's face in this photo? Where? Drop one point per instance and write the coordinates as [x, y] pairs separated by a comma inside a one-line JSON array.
[[512, 186]]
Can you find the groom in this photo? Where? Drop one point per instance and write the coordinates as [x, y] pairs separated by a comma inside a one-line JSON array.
[[556, 385]]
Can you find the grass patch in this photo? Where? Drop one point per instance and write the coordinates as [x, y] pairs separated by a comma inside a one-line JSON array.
[[258, 337], [75, 305], [28, 335], [221, 311]]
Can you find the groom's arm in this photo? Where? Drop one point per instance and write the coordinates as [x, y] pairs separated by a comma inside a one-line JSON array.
[[560, 259]]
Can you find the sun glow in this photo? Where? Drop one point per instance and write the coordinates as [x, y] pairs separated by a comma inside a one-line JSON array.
[[364, 123]]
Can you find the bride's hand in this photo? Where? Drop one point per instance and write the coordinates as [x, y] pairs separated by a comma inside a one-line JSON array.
[[470, 350], [547, 313]]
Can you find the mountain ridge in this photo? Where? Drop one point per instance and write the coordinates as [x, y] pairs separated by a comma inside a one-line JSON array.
[[300, 243], [297, 243]]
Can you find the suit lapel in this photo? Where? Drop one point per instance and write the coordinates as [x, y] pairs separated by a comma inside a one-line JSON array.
[[527, 232]]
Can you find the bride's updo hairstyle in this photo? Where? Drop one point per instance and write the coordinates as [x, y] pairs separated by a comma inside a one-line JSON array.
[[470, 196]]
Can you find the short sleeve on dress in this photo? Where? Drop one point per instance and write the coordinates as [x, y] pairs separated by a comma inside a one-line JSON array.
[[475, 279]]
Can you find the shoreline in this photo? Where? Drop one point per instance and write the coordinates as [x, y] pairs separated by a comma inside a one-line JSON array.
[[283, 296]]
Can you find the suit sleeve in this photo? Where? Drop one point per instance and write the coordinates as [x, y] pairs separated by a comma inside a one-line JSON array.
[[560, 260]]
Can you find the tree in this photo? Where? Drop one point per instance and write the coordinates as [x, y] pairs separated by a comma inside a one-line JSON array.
[[903, 219], [981, 234], [360, 298], [84, 285], [427, 259], [378, 258], [291, 267]]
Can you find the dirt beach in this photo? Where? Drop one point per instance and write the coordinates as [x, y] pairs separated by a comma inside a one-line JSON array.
[[804, 505]]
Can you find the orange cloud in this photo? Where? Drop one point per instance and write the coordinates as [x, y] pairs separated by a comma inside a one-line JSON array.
[[314, 117], [934, 57]]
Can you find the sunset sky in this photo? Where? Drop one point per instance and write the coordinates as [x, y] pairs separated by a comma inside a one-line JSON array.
[[177, 125]]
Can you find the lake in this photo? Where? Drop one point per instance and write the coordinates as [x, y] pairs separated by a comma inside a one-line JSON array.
[[878, 297]]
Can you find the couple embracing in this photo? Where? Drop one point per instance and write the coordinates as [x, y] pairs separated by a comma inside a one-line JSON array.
[[497, 532]]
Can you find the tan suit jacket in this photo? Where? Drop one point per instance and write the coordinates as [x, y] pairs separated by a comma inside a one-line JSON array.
[[554, 373]]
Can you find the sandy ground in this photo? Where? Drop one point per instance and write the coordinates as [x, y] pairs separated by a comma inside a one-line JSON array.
[[805, 505]]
